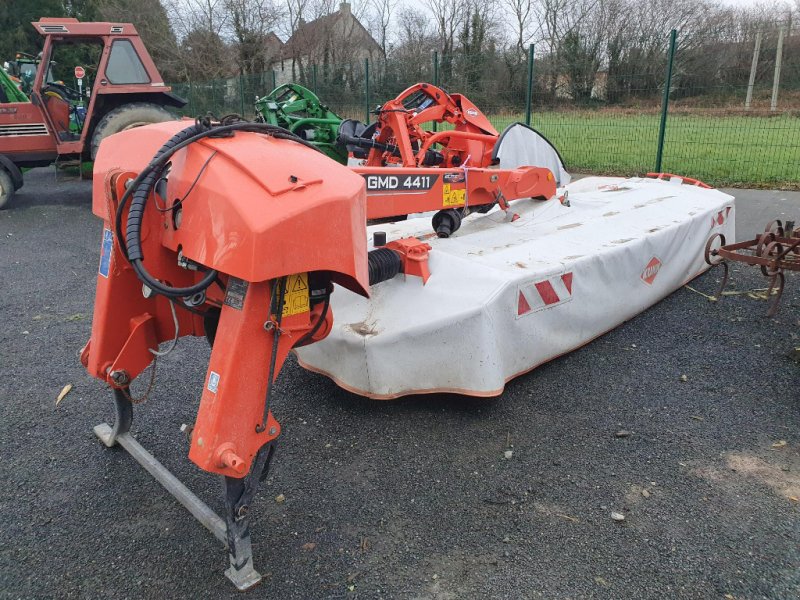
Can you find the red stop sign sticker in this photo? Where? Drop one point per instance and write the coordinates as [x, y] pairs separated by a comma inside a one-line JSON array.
[[80, 73]]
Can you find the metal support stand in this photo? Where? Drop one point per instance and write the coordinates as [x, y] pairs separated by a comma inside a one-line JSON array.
[[234, 531], [239, 494]]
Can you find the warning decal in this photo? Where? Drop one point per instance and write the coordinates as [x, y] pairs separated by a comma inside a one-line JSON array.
[[545, 293], [720, 217], [453, 197], [295, 301]]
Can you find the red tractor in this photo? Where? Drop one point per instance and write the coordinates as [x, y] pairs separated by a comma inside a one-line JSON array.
[[62, 123]]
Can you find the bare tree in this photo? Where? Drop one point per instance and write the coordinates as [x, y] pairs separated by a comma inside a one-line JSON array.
[[381, 17], [448, 15], [525, 27], [250, 22], [410, 57], [200, 26]]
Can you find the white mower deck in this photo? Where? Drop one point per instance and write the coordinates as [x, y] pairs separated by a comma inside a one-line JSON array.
[[505, 297]]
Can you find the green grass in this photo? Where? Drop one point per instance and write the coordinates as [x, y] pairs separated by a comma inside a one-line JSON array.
[[717, 148], [721, 150]]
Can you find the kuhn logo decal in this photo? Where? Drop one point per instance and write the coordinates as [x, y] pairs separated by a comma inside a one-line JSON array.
[[651, 270]]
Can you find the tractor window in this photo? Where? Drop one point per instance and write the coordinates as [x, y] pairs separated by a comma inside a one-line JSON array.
[[68, 54], [124, 65]]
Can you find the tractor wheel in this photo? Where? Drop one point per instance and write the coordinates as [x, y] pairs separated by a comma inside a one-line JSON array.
[[128, 116], [6, 187]]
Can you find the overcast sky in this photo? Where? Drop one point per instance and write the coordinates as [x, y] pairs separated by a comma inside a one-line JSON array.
[[742, 2]]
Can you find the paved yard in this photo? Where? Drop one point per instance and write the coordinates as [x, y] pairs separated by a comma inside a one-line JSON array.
[[412, 498]]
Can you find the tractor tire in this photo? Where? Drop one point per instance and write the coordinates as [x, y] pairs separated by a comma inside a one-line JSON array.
[[6, 187], [128, 116]]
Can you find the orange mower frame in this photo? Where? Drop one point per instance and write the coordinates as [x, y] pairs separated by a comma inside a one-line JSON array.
[[409, 169]]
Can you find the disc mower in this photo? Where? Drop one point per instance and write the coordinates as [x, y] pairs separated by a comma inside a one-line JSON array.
[[200, 239]]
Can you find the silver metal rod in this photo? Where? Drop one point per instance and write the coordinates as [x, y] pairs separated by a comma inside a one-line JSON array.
[[753, 68], [199, 509], [776, 80]]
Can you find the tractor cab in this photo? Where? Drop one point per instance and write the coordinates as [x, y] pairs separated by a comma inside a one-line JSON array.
[[90, 80]]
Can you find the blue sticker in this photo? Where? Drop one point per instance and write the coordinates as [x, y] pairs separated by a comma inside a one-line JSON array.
[[105, 252], [213, 382]]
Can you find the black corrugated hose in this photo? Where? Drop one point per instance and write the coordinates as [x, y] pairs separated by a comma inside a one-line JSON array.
[[384, 263], [139, 192]]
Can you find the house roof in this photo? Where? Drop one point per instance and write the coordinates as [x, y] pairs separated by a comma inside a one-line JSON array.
[[309, 35], [273, 43]]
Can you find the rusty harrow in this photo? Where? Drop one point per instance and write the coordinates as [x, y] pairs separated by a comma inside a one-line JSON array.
[[775, 251]]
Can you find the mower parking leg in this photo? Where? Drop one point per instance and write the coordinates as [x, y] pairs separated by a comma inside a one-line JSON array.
[[239, 493], [122, 420], [240, 551], [234, 531]]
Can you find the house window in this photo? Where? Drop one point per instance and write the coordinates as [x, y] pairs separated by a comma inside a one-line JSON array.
[[124, 65]]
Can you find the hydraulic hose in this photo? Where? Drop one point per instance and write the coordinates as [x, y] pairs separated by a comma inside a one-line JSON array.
[[431, 159], [140, 189]]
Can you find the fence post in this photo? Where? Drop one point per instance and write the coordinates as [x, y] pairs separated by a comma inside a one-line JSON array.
[[753, 67], [274, 79], [314, 77], [241, 92], [214, 96], [529, 95], [435, 77], [366, 90], [776, 79], [673, 35], [191, 100]]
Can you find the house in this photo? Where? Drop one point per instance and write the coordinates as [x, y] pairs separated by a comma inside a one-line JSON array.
[[336, 44], [273, 47]]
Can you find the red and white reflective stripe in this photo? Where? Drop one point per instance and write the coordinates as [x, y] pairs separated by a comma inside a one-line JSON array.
[[721, 217], [544, 293]]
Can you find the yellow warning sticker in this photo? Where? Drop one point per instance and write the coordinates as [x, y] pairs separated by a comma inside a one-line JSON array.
[[451, 197], [295, 301]]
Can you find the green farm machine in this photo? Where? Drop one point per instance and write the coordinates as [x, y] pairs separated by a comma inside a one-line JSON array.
[[299, 110], [10, 90]]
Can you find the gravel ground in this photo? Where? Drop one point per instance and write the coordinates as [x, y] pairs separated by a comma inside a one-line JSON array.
[[412, 498]]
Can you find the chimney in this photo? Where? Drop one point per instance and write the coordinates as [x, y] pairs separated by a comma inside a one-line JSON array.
[[344, 8]]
